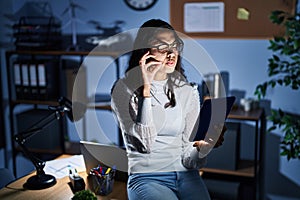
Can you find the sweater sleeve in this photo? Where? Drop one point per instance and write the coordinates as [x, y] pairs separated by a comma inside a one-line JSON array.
[[191, 158], [134, 118]]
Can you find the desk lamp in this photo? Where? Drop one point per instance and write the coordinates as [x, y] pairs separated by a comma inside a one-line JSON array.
[[42, 180]]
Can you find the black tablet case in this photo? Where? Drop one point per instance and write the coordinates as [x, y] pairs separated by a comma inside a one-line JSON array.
[[212, 112]]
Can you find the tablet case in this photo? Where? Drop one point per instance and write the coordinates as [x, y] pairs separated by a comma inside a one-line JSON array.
[[212, 112]]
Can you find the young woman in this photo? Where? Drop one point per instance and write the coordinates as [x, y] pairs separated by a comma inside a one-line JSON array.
[[157, 110]]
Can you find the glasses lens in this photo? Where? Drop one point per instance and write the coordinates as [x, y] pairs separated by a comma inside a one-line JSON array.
[[177, 46], [164, 48]]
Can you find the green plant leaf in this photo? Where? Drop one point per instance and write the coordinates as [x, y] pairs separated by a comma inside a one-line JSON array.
[[284, 70], [276, 58], [280, 112], [276, 17], [84, 195], [287, 80], [295, 85], [272, 83], [272, 128]]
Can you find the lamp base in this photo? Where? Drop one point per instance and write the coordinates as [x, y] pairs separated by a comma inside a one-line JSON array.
[[38, 182]]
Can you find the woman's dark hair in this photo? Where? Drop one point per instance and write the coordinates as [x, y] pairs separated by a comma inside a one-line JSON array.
[[145, 35]]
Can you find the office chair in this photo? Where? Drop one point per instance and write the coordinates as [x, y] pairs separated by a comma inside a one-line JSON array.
[[6, 177]]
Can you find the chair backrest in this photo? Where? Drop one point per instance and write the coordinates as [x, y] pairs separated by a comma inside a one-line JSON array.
[[6, 177]]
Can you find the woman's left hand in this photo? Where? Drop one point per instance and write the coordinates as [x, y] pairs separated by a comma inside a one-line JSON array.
[[211, 143], [201, 144]]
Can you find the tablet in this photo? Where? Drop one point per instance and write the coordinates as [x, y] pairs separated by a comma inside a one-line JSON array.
[[212, 112]]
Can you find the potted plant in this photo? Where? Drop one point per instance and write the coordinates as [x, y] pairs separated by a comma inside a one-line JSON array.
[[284, 70]]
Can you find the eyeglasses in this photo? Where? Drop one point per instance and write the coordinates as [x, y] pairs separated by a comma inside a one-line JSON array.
[[163, 48]]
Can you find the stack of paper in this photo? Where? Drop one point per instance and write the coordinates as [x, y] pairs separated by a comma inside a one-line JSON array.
[[60, 167]]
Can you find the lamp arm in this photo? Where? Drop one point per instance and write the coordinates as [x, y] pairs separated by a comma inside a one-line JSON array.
[[20, 138], [38, 164]]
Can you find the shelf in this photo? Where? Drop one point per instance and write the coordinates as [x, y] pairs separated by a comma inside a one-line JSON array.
[[245, 169], [103, 106], [96, 52], [244, 174], [57, 151], [14, 55], [71, 148], [36, 102], [100, 106]]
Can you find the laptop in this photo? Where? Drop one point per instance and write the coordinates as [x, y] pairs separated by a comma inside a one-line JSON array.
[[95, 154]]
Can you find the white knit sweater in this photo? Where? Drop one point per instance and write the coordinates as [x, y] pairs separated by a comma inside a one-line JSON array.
[[157, 138]]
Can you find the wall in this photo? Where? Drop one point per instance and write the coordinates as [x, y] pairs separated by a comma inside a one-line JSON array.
[[243, 58], [246, 60]]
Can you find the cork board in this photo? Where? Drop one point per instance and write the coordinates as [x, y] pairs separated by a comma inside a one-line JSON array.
[[240, 18]]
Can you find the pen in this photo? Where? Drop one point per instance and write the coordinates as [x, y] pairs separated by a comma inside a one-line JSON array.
[[75, 174], [108, 170], [96, 172]]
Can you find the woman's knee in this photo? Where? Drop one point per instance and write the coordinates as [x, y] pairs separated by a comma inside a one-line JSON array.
[[150, 191]]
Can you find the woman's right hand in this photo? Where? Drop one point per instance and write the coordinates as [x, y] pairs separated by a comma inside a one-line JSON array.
[[149, 69]]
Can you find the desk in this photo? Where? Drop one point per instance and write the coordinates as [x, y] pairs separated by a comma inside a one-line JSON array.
[[61, 190]]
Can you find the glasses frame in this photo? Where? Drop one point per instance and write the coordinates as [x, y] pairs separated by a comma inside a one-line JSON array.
[[178, 48]]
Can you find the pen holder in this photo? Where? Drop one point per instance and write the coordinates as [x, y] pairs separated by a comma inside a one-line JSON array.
[[101, 184]]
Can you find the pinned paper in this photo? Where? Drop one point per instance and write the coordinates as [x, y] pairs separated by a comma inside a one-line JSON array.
[[204, 17], [243, 14]]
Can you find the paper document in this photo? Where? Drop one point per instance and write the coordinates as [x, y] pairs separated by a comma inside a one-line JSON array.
[[60, 167], [204, 17]]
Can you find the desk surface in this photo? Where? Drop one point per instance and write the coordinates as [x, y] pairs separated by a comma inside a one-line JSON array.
[[61, 190], [240, 114]]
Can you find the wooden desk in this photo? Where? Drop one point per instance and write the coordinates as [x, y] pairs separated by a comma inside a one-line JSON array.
[[61, 190]]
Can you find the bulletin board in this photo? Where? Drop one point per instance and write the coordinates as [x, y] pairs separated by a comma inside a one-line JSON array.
[[241, 18]]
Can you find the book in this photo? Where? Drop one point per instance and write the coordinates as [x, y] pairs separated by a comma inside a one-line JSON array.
[[18, 80], [25, 80], [33, 81]]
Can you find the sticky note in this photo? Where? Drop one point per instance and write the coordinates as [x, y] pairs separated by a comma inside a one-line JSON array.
[[243, 14]]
